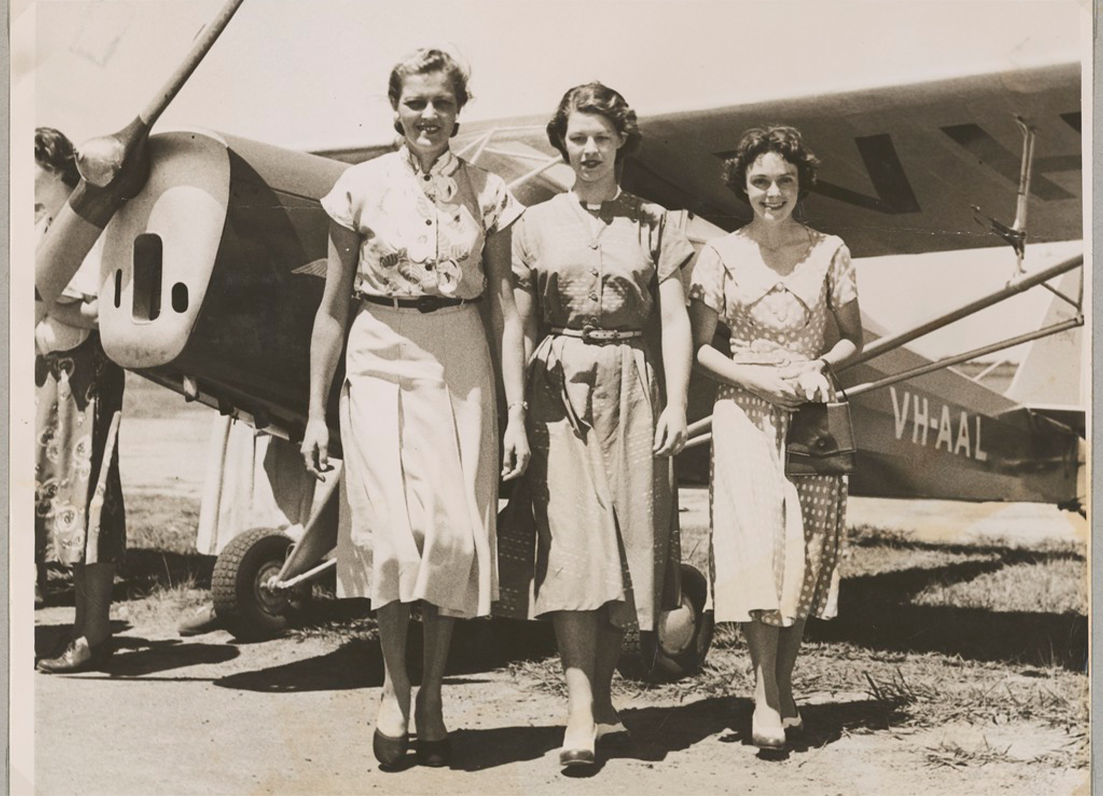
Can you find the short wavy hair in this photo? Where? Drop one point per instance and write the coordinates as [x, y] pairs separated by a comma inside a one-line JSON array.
[[425, 61], [782, 139], [54, 152], [598, 98]]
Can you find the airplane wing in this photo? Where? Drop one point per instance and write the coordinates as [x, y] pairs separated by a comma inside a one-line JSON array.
[[902, 166]]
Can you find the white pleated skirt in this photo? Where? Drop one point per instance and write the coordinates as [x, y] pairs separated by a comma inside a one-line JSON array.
[[419, 432]]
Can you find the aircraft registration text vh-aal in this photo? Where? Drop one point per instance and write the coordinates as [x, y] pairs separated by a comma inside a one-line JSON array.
[[213, 251]]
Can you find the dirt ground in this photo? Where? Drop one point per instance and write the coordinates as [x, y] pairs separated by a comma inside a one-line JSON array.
[[210, 716]]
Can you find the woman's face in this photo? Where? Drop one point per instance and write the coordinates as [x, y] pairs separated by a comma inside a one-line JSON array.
[[772, 187], [592, 142], [427, 111], [50, 193]]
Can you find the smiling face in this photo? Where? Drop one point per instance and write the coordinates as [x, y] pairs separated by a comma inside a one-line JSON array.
[[592, 142], [772, 187], [427, 111]]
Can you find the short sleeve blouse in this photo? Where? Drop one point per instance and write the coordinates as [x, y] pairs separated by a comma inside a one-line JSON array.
[[772, 316], [421, 233], [587, 274]]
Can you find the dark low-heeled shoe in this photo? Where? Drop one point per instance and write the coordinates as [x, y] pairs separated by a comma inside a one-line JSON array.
[[79, 656], [434, 754], [388, 750]]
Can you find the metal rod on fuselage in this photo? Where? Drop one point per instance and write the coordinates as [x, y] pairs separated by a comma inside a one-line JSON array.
[[1012, 288], [930, 367]]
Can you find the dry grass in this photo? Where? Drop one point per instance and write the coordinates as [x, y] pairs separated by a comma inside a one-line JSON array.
[[853, 681], [1048, 586]]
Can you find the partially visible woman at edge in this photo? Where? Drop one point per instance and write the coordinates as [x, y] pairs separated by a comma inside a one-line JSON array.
[[594, 267], [775, 541], [417, 237], [77, 392]]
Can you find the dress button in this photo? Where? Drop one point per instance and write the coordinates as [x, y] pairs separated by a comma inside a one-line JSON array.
[[593, 297], [593, 271], [593, 244], [428, 222], [428, 266], [426, 178]]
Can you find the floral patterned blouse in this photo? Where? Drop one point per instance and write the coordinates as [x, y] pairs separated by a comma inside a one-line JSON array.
[[421, 233]]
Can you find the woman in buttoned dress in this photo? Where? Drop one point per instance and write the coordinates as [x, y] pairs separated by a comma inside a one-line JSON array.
[[775, 283], [593, 265], [417, 238]]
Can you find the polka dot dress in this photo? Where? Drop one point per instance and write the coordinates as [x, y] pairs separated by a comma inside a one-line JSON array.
[[776, 540]]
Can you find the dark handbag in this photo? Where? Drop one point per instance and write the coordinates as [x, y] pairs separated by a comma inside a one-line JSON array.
[[821, 438]]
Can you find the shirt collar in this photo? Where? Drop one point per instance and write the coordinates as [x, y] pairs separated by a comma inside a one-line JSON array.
[[445, 165], [597, 205]]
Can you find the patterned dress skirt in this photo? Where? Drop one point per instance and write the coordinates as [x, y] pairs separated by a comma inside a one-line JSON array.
[[77, 392], [776, 540], [602, 502], [419, 433]]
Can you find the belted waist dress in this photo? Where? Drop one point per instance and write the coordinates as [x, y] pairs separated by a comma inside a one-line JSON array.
[[603, 504], [418, 416]]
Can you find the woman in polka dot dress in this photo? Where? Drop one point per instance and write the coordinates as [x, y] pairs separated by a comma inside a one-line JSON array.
[[775, 540]]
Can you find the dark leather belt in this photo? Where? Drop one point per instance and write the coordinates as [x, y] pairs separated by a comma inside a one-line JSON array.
[[596, 336], [420, 303]]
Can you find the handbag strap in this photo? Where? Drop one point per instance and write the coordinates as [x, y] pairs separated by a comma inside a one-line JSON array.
[[839, 390]]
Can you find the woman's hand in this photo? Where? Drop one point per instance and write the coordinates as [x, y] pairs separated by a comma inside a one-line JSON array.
[[515, 449], [767, 383], [809, 378], [670, 431], [315, 448]]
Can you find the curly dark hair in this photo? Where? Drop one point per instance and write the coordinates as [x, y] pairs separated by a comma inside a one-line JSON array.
[[423, 62], [54, 152], [596, 97], [782, 139]]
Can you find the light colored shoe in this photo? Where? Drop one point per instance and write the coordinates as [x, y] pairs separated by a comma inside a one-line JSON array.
[[766, 737], [204, 621], [571, 756]]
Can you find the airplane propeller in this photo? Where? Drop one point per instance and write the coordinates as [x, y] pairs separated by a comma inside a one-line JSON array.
[[113, 169]]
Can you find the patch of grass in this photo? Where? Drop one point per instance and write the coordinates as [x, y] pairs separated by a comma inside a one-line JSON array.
[[1050, 586], [161, 608], [862, 560], [954, 755], [161, 522]]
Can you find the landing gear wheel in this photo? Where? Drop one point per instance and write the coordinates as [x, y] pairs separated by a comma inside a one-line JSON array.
[[678, 645], [247, 609]]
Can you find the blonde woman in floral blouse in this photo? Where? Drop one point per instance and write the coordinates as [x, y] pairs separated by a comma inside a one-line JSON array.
[[418, 237]]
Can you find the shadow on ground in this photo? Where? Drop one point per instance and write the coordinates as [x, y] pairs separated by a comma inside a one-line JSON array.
[[477, 646], [135, 656], [659, 731], [877, 611]]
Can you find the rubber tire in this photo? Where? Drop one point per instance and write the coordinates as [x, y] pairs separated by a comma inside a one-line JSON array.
[[245, 563], [642, 658]]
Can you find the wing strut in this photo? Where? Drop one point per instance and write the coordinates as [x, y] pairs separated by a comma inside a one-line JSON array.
[[1016, 233]]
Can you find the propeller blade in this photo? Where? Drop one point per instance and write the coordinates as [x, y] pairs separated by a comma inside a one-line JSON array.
[[113, 169]]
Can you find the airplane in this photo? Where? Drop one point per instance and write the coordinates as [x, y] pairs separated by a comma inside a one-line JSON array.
[[214, 249]]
